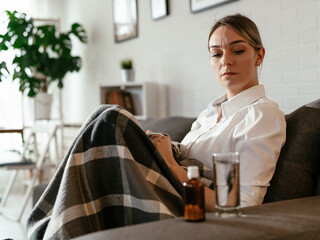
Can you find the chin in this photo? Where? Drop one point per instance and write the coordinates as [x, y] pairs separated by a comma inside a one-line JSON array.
[[229, 83]]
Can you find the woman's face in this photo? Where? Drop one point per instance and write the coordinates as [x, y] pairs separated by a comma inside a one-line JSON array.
[[234, 60]]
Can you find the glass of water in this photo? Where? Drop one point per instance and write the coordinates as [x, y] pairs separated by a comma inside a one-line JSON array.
[[226, 183]]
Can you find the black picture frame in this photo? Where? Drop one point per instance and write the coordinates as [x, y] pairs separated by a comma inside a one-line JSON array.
[[159, 9], [125, 19], [201, 5]]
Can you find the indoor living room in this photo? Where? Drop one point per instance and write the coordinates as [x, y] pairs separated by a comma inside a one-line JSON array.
[[169, 83]]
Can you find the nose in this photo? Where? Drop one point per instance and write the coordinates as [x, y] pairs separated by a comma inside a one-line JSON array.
[[227, 59]]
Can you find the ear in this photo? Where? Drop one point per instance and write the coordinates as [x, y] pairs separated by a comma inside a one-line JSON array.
[[260, 56]]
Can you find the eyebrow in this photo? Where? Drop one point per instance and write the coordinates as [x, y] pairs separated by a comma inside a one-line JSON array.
[[232, 43]]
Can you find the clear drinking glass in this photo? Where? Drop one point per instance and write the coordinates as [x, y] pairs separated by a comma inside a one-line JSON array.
[[226, 183]]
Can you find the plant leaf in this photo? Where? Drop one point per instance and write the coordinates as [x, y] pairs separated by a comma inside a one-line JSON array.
[[79, 31], [3, 68]]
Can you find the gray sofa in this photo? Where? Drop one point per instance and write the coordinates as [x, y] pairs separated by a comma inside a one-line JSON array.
[[282, 220], [298, 169], [297, 176]]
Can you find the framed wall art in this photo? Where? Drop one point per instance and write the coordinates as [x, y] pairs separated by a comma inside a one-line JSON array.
[[200, 5], [125, 19], [159, 9]]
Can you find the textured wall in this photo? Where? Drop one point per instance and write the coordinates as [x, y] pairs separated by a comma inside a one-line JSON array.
[[173, 51]]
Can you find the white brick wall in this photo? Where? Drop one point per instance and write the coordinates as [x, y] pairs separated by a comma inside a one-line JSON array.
[[291, 36], [173, 51]]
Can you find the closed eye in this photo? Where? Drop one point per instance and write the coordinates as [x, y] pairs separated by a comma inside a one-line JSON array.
[[238, 52], [216, 55]]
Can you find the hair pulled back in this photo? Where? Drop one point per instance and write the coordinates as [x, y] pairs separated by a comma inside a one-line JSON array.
[[242, 25]]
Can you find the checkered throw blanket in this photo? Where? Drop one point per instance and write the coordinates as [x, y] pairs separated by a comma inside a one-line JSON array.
[[111, 176]]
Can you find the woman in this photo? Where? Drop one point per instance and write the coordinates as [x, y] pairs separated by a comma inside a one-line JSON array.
[[242, 120], [113, 175]]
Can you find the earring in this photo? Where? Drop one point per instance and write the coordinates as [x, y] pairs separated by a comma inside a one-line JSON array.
[[258, 65]]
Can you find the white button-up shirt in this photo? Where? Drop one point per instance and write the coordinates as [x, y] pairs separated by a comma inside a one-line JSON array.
[[250, 124]]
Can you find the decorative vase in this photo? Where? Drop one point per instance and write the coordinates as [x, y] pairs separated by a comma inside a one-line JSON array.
[[127, 75], [42, 106]]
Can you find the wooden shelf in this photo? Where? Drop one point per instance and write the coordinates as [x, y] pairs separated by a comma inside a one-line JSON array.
[[145, 97]]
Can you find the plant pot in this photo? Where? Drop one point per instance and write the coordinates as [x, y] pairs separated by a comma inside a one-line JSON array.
[[127, 75], [42, 106]]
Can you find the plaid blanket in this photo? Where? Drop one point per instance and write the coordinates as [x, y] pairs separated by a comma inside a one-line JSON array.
[[111, 176]]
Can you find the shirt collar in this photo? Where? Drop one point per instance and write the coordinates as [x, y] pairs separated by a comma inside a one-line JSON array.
[[229, 107]]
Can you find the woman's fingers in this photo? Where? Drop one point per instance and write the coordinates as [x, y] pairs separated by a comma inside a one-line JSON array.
[[160, 139]]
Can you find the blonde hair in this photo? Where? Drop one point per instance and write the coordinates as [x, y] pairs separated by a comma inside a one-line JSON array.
[[242, 25]]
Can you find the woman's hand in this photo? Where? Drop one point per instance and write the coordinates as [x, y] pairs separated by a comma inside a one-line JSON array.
[[163, 144]]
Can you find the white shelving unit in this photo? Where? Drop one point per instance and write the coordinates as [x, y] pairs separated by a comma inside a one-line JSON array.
[[145, 97]]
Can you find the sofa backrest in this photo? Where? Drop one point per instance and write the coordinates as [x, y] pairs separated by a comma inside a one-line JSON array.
[[298, 169], [176, 127]]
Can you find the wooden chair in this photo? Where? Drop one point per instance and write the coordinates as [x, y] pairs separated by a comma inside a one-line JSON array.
[[41, 150]]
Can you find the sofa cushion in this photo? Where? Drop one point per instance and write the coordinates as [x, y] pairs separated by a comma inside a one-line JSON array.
[[175, 127], [285, 220], [297, 170]]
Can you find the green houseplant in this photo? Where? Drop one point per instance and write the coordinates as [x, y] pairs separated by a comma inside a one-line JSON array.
[[42, 55], [126, 64], [127, 73]]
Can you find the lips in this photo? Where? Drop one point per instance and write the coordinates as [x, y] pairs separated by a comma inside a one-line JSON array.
[[229, 74]]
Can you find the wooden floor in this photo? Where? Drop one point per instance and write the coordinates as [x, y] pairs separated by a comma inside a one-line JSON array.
[[10, 229]]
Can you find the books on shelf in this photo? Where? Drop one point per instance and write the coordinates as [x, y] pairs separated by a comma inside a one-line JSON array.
[[121, 98]]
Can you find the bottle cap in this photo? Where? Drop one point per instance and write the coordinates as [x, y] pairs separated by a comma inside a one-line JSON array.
[[193, 172]]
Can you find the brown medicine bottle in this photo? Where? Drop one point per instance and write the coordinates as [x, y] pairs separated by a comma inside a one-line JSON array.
[[194, 208]]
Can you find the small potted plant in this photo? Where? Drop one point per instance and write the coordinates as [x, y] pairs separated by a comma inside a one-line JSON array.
[[42, 55], [127, 73]]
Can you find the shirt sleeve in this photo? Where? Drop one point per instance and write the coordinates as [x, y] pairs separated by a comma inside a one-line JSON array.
[[258, 138]]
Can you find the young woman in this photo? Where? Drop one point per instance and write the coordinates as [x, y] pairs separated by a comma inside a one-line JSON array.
[[114, 175], [242, 119]]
